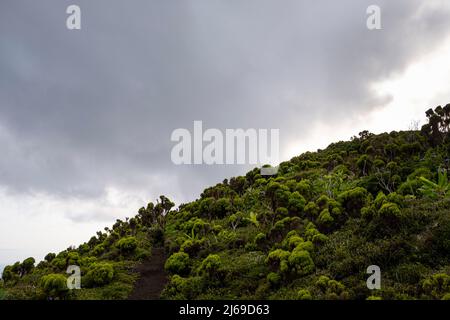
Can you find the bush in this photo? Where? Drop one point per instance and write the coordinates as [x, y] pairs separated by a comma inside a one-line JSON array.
[[304, 294], [156, 235], [178, 263], [300, 262], [127, 245], [191, 247], [27, 265], [437, 285], [389, 211], [273, 279], [98, 249], [331, 288], [183, 288], [99, 274], [325, 220], [72, 258], [210, 265], [54, 286], [276, 258], [8, 274], [296, 202], [312, 209], [353, 200], [49, 257]]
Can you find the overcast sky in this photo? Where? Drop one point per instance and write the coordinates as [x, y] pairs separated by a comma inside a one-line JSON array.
[[86, 115]]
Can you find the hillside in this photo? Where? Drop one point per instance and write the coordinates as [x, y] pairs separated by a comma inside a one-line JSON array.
[[310, 232]]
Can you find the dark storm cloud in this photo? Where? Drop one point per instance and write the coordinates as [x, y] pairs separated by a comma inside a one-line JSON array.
[[81, 110]]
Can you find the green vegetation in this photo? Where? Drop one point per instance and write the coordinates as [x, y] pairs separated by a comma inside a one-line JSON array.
[[309, 232]]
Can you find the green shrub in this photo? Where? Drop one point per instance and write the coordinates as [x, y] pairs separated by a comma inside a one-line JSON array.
[[332, 289], [276, 257], [49, 257], [98, 249], [311, 209], [191, 247], [183, 288], [274, 279], [27, 265], [178, 263], [389, 211], [296, 202], [437, 285], [127, 245], [54, 286], [8, 274], [353, 200], [300, 262], [210, 265], [325, 220], [72, 258], [304, 294], [294, 241], [99, 274]]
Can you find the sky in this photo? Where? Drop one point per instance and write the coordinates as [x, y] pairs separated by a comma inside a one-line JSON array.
[[86, 115]]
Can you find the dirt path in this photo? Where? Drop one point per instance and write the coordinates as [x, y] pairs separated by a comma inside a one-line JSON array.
[[152, 277]]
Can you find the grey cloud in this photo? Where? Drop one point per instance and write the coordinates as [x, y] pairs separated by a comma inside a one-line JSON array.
[[81, 110]]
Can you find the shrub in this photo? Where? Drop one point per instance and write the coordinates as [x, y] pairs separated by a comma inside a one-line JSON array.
[[274, 279], [49, 257], [325, 220], [304, 294], [306, 245], [156, 235], [99, 274], [183, 288], [54, 286], [178, 263], [353, 200], [276, 257], [98, 249], [72, 258], [210, 265], [389, 211], [296, 202], [437, 285], [27, 265], [8, 274], [304, 188], [127, 245], [294, 241], [191, 247], [301, 262], [59, 263], [331, 288], [311, 209]]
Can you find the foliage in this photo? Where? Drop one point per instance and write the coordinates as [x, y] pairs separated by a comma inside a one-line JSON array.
[[178, 263]]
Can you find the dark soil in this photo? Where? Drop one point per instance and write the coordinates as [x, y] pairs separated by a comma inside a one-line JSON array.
[[152, 279]]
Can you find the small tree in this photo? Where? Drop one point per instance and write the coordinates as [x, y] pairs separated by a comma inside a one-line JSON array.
[[178, 263], [54, 286]]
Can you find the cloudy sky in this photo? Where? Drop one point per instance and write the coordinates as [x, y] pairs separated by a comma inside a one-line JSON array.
[[86, 115]]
